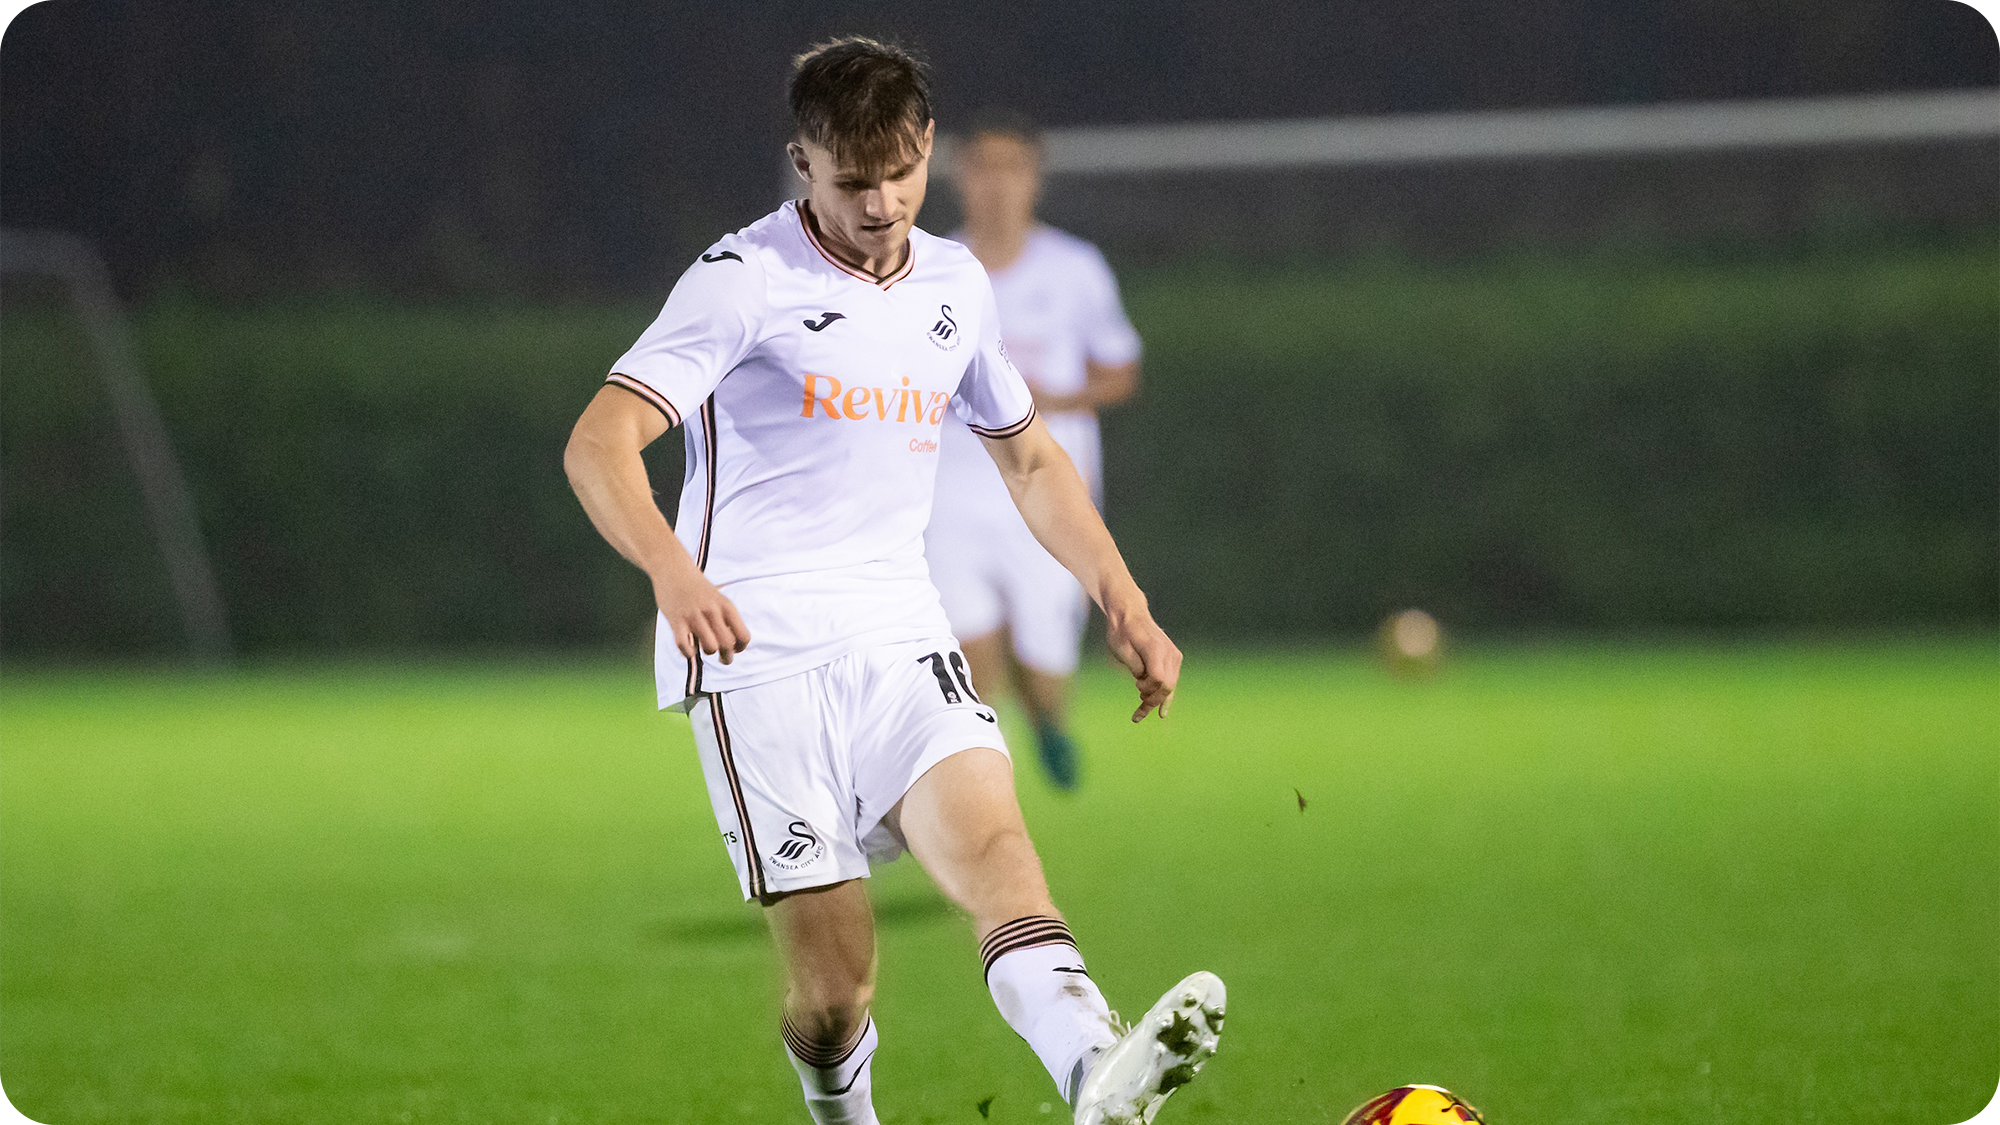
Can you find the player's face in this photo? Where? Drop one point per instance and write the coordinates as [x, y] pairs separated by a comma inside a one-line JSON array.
[[999, 178], [869, 212]]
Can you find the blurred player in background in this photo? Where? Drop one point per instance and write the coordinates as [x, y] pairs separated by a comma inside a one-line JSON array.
[[1016, 612]]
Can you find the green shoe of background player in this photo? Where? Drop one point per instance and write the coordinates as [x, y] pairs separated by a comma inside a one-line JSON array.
[[1058, 755]]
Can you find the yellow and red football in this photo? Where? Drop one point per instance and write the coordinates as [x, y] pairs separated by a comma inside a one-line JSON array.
[[1415, 1104]]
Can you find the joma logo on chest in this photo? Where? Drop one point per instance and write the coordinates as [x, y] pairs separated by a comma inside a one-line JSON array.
[[825, 398]]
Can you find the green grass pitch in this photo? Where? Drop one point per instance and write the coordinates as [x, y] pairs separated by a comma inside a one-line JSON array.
[[1576, 883]]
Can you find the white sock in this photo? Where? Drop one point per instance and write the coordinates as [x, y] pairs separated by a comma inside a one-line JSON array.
[[837, 1080], [1039, 983]]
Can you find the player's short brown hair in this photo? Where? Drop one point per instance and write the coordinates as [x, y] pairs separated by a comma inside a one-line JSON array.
[[864, 100], [996, 121]]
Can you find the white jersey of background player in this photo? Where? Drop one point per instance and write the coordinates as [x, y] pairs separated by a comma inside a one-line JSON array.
[[1015, 610], [813, 357]]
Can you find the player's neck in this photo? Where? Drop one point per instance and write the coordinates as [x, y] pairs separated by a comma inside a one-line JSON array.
[[998, 245], [878, 266]]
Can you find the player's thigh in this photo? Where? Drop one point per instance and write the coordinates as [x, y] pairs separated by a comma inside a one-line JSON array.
[[776, 781], [963, 822], [923, 729], [911, 707], [986, 659], [826, 940]]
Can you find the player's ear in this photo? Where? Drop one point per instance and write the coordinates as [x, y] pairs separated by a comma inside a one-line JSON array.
[[801, 163], [926, 146]]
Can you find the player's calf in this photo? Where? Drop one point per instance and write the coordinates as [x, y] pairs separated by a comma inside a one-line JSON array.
[[826, 936]]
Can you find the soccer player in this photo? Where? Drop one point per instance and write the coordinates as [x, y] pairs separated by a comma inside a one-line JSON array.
[[1017, 613], [812, 358]]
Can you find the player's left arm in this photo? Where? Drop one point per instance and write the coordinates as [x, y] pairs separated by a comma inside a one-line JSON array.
[[1057, 508]]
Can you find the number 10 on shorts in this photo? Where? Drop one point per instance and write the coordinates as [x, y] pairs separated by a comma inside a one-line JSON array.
[[951, 690]]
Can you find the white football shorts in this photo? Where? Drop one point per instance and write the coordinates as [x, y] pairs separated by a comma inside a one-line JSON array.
[[801, 770], [998, 575]]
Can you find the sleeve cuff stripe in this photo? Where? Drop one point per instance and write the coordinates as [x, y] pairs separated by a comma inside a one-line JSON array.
[[1005, 431], [658, 400]]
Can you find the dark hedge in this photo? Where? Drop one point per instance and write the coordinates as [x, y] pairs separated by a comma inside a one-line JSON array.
[[1808, 442], [1602, 442]]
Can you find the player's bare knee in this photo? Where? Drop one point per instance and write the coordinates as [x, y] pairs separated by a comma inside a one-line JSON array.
[[830, 1014]]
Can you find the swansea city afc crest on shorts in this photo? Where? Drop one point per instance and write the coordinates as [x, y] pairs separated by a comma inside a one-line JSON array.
[[800, 847]]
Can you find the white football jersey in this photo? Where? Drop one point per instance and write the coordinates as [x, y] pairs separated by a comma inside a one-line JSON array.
[[813, 396], [1059, 307]]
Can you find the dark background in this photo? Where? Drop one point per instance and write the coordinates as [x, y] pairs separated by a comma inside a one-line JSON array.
[[378, 256], [582, 150]]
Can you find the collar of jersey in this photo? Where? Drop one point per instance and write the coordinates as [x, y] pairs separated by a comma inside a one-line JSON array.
[[909, 257]]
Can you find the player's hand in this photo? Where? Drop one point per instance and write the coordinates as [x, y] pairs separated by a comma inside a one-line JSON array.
[[1144, 649], [702, 620]]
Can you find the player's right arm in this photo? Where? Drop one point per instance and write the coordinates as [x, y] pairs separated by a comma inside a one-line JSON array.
[[609, 477], [711, 320]]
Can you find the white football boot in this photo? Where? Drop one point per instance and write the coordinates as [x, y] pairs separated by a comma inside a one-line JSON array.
[[1159, 1055]]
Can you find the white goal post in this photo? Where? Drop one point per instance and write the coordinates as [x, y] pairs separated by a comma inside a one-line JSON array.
[[162, 486]]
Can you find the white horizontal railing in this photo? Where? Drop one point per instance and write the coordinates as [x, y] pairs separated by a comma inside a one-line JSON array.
[[1510, 134]]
